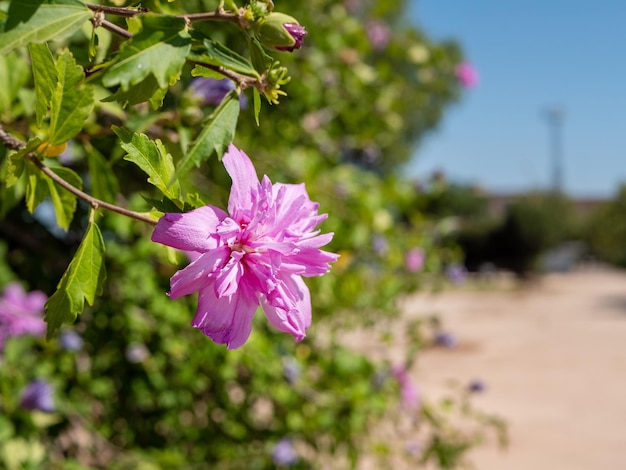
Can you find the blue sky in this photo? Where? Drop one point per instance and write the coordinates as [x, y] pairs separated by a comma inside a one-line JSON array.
[[532, 55]]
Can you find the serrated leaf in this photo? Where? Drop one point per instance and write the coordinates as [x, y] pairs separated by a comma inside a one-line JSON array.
[[37, 21], [64, 202], [72, 101], [160, 49], [16, 163], [215, 53], [45, 77], [217, 134], [81, 281], [152, 157]]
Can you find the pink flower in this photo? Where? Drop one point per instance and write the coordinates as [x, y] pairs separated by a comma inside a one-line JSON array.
[[21, 313], [414, 260], [255, 254], [467, 74], [408, 392]]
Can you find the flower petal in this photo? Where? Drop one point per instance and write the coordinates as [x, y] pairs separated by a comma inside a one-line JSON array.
[[290, 308], [227, 280], [197, 275], [226, 320], [245, 180], [190, 231]]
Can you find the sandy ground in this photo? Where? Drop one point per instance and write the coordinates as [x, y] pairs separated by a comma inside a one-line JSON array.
[[553, 357]]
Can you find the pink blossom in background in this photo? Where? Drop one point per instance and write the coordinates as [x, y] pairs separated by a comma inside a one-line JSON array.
[[467, 74], [255, 254], [21, 313], [378, 33], [414, 260], [408, 391]]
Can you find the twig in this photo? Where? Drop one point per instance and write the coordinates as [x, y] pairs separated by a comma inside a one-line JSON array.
[[15, 144], [218, 15]]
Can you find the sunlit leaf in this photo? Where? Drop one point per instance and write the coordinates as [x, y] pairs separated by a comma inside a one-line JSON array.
[[159, 49], [217, 134], [81, 281], [152, 157], [215, 53], [72, 101], [45, 78], [37, 21]]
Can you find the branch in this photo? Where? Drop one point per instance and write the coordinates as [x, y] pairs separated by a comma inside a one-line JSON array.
[[14, 143], [218, 15]]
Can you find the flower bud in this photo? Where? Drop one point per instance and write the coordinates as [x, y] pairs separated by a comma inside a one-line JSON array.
[[280, 32], [48, 150]]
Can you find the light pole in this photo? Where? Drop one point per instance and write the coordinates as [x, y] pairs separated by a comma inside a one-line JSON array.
[[555, 117]]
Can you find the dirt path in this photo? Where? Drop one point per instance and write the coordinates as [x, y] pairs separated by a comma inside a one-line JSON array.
[[553, 358]]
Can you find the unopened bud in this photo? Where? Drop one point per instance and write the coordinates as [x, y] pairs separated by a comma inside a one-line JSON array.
[[281, 32]]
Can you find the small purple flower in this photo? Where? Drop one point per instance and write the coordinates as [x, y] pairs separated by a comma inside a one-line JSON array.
[[477, 386], [380, 245], [456, 273], [38, 396], [21, 313], [414, 260], [408, 392], [446, 340], [284, 455], [291, 370], [255, 254], [378, 33], [70, 341], [467, 74], [213, 90]]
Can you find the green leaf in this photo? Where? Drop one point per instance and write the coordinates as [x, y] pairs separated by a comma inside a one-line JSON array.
[[37, 21], [160, 49], [257, 104], [72, 101], [16, 163], [64, 202], [104, 184], [81, 281], [45, 77], [217, 134], [260, 60], [138, 93], [152, 157], [14, 75], [215, 53], [36, 187]]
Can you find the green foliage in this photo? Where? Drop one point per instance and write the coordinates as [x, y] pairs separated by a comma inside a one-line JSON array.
[[605, 230], [159, 49], [153, 159], [38, 21], [82, 281], [217, 132]]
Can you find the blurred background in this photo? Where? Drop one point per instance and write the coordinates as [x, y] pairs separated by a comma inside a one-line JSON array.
[[469, 156]]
